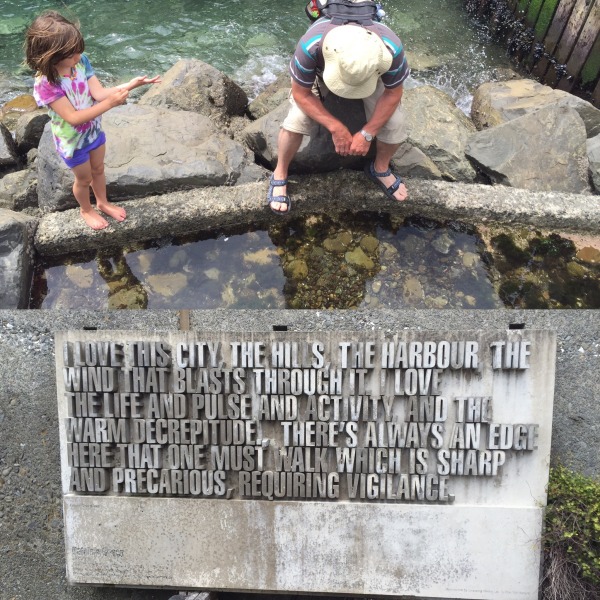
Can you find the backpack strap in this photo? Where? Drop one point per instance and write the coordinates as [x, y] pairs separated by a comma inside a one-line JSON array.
[[342, 12]]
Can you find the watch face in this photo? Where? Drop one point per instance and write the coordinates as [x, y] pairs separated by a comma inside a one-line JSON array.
[[367, 136]]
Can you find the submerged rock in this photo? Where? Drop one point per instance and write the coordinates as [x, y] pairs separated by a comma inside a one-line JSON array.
[[296, 269], [261, 257], [167, 284], [443, 243], [369, 244], [359, 259], [413, 290], [80, 276], [339, 243]]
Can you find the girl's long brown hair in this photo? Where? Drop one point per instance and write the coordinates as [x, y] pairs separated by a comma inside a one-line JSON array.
[[50, 39]]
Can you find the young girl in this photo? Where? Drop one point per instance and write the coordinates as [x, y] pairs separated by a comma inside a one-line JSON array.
[[65, 82]]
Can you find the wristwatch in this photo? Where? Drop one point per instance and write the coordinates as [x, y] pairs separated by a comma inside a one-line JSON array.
[[366, 135]]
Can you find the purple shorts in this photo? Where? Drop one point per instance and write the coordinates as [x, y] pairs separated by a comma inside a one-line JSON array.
[[82, 155]]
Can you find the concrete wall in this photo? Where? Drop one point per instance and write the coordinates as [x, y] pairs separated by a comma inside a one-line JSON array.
[[31, 526]]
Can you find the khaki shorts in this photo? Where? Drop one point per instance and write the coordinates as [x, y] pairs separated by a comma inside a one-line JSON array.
[[393, 132]]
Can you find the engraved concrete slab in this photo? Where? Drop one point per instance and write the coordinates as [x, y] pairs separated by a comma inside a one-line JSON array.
[[356, 463]]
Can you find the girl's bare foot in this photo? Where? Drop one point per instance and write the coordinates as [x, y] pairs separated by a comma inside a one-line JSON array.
[[112, 210], [93, 219]]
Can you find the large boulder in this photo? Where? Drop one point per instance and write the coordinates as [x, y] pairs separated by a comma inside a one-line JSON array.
[[542, 151], [317, 153], [439, 130], [196, 86], [8, 149], [29, 129], [150, 151], [18, 190], [593, 149], [499, 102], [16, 248]]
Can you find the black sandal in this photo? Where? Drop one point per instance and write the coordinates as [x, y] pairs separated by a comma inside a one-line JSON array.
[[273, 183], [373, 175]]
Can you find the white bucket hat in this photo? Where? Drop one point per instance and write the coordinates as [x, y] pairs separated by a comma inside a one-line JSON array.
[[355, 58]]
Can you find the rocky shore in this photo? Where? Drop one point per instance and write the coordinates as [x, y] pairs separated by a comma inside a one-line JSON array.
[[192, 155]]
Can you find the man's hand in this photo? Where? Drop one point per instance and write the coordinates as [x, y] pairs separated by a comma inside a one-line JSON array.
[[342, 140], [360, 146]]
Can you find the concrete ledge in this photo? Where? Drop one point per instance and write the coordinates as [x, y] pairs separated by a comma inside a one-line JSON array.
[[205, 209]]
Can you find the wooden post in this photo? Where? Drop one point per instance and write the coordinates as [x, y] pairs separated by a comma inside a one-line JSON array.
[[522, 6], [583, 48], [589, 77], [568, 41], [544, 19], [542, 24], [557, 27], [533, 12]]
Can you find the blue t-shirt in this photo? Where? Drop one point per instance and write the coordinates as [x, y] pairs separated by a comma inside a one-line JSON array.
[[308, 63]]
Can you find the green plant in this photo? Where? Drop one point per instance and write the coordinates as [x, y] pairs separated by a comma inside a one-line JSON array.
[[572, 537]]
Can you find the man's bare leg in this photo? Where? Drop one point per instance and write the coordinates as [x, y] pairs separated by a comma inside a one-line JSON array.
[[287, 146], [383, 156]]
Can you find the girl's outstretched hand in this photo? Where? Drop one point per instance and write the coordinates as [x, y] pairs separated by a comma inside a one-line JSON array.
[[141, 80]]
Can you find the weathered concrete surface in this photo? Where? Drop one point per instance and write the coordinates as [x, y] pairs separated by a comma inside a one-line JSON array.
[[207, 208], [31, 540]]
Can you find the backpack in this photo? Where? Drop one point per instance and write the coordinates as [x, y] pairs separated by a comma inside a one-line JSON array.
[[345, 11]]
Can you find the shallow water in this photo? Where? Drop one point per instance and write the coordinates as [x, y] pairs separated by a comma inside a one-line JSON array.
[[250, 41], [360, 261]]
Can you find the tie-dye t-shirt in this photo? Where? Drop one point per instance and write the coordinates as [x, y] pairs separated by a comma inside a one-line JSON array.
[[66, 137]]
